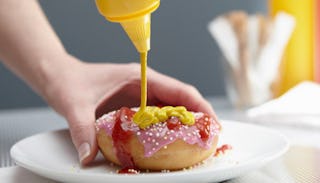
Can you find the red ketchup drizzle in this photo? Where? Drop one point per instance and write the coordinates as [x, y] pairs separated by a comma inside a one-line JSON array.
[[223, 149], [173, 123], [121, 139], [203, 125]]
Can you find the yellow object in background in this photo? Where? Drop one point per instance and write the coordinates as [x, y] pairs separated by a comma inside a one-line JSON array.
[[317, 40], [298, 59], [134, 17]]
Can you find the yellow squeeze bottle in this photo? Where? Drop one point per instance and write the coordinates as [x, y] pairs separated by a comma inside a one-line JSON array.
[[134, 17]]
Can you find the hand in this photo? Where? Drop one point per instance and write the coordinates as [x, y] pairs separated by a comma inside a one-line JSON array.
[[84, 91]]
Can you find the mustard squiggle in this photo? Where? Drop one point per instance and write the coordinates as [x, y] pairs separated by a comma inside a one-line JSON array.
[[152, 115]]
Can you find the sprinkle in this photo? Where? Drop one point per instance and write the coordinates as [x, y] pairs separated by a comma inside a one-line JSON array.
[[153, 140], [138, 133], [165, 171], [165, 137], [157, 143], [158, 134], [184, 138], [165, 147], [171, 138]]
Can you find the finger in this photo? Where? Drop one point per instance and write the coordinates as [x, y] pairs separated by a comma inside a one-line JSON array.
[[83, 135], [174, 92]]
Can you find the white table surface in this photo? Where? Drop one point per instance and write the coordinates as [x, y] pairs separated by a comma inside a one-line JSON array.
[[18, 124]]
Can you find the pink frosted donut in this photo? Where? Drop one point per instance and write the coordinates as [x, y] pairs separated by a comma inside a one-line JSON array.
[[167, 145]]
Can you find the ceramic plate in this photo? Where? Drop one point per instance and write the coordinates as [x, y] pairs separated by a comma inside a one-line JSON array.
[[52, 155]]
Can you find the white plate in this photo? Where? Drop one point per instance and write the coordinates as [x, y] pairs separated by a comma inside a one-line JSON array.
[[52, 155]]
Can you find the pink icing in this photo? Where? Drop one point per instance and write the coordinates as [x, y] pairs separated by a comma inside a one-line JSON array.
[[158, 135]]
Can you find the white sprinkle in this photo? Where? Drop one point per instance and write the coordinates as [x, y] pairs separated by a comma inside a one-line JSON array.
[[143, 141], [157, 143], [165, 147], [158, 134], [138, 133], [171, 138], [165, 137], [189, 134], [153, 140], [184, 138]]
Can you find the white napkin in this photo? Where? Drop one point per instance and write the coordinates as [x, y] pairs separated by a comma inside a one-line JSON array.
[[300, 106]]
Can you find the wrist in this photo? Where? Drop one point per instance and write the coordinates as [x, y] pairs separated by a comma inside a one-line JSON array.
[[53, 76]]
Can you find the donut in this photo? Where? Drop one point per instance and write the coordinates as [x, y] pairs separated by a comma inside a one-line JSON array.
[[165, 145]]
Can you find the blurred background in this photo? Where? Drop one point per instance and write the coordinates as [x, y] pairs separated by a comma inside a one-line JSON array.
[[181, 44]]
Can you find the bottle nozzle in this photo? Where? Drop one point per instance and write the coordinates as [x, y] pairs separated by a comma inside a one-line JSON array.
[[134, 17], [138, 30]]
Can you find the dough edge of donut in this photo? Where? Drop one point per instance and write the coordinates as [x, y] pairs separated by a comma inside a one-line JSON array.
[[177, 155]]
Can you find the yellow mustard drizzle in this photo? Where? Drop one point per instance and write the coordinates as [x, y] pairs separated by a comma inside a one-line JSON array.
[[143, 65], [148, 115]]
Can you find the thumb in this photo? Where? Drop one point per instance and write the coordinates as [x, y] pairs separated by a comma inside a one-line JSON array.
[[83, 135]]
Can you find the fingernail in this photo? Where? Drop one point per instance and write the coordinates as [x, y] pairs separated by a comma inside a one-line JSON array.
[[84, 151]]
